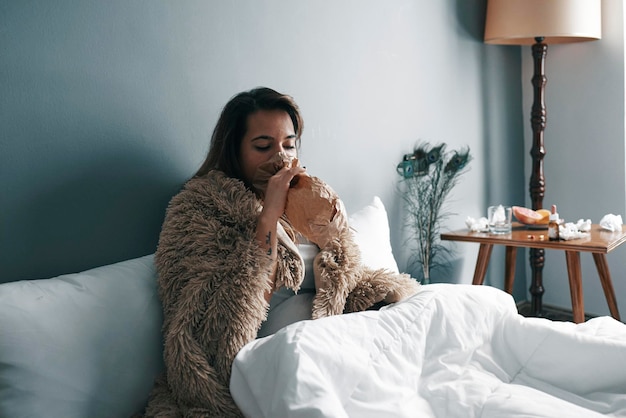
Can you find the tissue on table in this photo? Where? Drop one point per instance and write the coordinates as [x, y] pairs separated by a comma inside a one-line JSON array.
[[583, 225], [571, 230], [611, 222], [480, 225]]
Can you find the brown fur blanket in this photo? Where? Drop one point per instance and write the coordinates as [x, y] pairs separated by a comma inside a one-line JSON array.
[[212, 277]]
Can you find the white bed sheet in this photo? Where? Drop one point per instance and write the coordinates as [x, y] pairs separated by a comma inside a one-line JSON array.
[[449, 351]]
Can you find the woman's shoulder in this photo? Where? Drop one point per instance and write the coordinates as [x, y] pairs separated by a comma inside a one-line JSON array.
[[212, 183], [217, 193], [213, 179]]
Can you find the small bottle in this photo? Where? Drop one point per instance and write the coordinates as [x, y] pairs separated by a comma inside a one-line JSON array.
[[553, 224]]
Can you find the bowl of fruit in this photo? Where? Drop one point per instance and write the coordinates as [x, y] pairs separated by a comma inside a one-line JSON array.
[[533, 219]]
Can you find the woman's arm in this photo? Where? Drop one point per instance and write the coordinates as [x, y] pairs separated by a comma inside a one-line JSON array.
[[266, 236], [273, 208]]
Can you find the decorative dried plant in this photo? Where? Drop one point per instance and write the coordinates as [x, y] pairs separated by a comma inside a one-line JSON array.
[[429, 174]]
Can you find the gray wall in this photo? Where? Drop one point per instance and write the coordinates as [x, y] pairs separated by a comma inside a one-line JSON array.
[[107, 107]]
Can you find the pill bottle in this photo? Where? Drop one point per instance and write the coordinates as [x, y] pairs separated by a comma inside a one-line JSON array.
[[553, 224]]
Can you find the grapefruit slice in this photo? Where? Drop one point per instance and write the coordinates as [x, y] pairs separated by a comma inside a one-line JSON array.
[[545, 213], [526, 216]]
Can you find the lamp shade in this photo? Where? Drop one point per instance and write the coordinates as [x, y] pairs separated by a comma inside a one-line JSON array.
[[519, 22]]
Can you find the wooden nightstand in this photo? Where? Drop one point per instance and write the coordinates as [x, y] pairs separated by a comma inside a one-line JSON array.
[[599, 243]]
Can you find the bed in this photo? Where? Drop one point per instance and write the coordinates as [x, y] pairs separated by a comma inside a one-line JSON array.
[[449, 351], [88, 344], [452, 350]]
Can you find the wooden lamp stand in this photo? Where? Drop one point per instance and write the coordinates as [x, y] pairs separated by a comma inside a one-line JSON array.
[[538, 23], [537, 187]]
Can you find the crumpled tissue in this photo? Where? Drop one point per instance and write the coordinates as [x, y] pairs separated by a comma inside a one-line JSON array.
[[611, 222], [584, 225], [480, 225], [571, 230]]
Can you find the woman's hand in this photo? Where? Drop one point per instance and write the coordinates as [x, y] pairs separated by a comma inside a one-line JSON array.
[[275, 197], [273, 208]]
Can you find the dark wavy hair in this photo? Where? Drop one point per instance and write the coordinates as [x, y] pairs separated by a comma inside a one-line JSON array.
[[231, 127]]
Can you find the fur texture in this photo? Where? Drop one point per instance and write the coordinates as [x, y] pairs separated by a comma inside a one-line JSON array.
[[212, 278], [345, 285]]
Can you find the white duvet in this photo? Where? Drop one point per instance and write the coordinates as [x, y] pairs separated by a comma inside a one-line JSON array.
[[449, 351]]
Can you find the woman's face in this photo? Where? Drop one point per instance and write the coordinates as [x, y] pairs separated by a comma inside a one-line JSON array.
[[268, 132]]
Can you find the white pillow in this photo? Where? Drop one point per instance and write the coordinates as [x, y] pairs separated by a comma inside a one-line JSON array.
[[370, 228], [81, 345]]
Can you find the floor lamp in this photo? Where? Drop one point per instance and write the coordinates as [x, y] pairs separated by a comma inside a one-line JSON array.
[[539, 23]]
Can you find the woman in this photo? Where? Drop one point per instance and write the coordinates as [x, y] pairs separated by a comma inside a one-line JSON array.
[[226, 253]]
